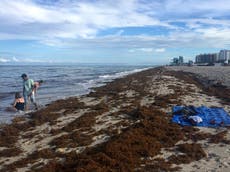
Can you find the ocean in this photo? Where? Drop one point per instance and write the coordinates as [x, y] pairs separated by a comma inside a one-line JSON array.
[[60, 81]]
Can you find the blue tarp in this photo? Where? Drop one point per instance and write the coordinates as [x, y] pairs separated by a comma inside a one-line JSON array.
[[212, 117]]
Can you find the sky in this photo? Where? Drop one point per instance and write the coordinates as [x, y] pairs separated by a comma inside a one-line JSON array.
[[111, 31]]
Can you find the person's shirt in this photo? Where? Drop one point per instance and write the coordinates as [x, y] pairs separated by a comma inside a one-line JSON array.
[[28, 86]]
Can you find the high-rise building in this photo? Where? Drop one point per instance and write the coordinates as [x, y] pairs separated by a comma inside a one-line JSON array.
[[224, 55], [207, 58], [181, 60], [177, 61]]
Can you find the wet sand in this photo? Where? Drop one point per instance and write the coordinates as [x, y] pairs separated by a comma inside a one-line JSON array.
[[122, 126]]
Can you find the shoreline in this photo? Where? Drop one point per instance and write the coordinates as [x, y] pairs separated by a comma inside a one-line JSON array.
[[123, 125], [76, 88]]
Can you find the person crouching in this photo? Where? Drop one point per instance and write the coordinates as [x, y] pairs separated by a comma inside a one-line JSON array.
[[19, 102]]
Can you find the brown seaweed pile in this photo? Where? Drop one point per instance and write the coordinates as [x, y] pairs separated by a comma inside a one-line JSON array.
[[191, 152], [127, 151]]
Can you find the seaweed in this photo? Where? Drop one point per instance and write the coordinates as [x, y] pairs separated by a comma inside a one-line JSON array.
[[128, 150], [14, 151], [191, 152], [219, 137]]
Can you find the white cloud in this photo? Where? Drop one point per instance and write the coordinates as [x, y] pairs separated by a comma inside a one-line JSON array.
[[70, 19], [160, 50], [77, 24], [4, 60], [146, 49], [22, 60], [15, 59], [150, 44], [193, 8], [30, 60]]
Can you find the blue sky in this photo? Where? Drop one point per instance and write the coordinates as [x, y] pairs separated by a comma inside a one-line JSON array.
[[108, 31]]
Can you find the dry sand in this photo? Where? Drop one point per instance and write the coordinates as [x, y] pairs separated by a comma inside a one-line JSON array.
[[59, 139], [214, 73]]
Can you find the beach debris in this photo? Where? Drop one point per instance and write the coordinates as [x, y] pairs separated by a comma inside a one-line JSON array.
[[200, 116], [195, 119]]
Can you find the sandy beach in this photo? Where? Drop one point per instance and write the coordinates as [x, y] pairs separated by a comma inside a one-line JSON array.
[[124, 126], [213, 73]]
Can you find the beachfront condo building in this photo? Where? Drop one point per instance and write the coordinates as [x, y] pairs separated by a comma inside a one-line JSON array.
[[177, 61], [207, 58], [224, 56]]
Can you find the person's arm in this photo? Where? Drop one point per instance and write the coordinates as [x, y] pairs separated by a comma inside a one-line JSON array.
[[33, 85], [14, 106], [15, 102]]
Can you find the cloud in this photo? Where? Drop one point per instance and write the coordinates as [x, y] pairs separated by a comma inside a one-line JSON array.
[[4, 60], [194, 8], [70, 19], [30, 60], [22, 60], [46, 20], [145, 50], [160, 50], [79, 25], [15, 59], [199, 38]]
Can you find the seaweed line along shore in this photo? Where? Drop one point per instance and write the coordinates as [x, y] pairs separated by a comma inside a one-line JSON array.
[[124, 125]]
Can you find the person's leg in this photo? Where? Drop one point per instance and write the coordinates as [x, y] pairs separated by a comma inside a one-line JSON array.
[[26, 102], [33, 100]]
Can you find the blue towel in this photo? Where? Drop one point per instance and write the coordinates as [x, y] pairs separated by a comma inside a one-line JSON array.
[[212, 117]]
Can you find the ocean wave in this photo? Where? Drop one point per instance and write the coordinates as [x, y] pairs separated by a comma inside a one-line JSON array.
[[121, 74], [102, 79]]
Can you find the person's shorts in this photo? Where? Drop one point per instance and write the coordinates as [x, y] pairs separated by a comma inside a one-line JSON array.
[[29, 97]]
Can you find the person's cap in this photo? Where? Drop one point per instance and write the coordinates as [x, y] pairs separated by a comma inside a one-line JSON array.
[[23, 75]]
